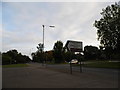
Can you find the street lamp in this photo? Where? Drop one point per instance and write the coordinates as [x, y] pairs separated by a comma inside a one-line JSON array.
[[43, 36]]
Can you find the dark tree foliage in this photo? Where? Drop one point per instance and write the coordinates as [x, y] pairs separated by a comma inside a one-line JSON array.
[[40, 47], [49, 55], [80, 57], [68, 56], [34, 57], [0, 58], [108, 29], [90, 52], [12, 53], [13, 57], [38, 56], [58, 52], [6, 59]]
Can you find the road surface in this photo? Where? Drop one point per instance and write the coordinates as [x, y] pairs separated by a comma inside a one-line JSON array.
[[58, 76]]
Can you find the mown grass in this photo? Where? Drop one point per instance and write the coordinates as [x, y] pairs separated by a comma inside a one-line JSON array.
[[103, 64], [56, 63], [14, 65]]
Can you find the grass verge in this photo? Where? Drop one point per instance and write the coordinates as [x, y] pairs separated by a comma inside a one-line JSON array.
[[14, 65], [103, 64]]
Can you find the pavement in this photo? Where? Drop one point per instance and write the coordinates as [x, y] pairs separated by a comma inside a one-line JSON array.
[[58, 76]]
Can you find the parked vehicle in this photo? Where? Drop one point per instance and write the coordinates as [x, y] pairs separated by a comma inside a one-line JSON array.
[[74, 61]]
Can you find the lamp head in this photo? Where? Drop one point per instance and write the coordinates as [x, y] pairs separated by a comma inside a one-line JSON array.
[[52, 26]]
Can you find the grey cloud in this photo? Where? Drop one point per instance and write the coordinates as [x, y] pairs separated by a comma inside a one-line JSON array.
[[71, 20]]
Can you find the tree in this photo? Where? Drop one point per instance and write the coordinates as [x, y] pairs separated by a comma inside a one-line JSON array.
[[58, 52], [13, 57], [13, 54], [49, 55], [38, 56], [6, 59], [68, 56], [0, 58], [90, 52], [40, 47], [22, 58], [108, 28], [33, 57], [101, 53]]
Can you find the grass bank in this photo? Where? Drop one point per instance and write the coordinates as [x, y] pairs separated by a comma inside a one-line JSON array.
[[14, 65], [102, 64]]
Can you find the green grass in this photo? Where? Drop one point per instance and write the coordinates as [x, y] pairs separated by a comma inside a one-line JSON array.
[[103, 64], [56, 63], [14, 65]]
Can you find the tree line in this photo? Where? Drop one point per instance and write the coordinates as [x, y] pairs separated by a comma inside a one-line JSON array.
[[60, 55], [13, 57], [108, 31]]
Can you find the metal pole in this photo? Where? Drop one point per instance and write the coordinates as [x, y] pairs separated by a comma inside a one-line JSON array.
[[80, 67], [44, 57], [70, 64], [43, 43], [70, 67], [43, 37]]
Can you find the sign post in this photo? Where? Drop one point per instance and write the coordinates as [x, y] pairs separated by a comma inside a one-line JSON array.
[[74, 46], [80, 66], [70, 67]]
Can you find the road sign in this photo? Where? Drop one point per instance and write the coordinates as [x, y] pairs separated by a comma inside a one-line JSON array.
[[74, 46]]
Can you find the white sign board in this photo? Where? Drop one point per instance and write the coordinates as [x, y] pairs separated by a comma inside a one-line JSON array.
[[75, 46]]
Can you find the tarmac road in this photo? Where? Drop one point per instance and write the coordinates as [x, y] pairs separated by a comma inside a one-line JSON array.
[[58, 76], [85, 69]]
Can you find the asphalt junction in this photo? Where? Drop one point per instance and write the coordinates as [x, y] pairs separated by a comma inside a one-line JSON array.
[[58, 76]]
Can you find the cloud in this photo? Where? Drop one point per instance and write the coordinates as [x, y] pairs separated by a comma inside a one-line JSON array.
[[0, 38], [22, 23], [60, 0]]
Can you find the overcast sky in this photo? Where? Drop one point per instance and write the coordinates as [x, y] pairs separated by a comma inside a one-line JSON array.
[[22, 23]]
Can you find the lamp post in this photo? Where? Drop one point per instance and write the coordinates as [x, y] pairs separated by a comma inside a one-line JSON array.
[[43, 37]]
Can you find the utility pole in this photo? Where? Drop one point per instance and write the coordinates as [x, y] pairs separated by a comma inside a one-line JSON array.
[[44, 42]]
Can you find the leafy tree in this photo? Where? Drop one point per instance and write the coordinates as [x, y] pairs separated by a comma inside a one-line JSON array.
[[58, 52], [12, 54], [6, 59], [33, 57], [49, 55], [90, 52], [67, 56], [13, 57], [22, 58], [0, 58], [108, 28], [40, 47], [38, 56], [101, 53]]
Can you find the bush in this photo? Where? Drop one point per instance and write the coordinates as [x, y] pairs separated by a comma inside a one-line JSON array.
[[6, 60]]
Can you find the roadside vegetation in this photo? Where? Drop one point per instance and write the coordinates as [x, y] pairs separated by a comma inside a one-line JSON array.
[[102, 64], [108, 32], [14, 65], [14, 57]]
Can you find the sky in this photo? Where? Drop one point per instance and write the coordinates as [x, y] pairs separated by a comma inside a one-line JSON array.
[[21, 24]]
